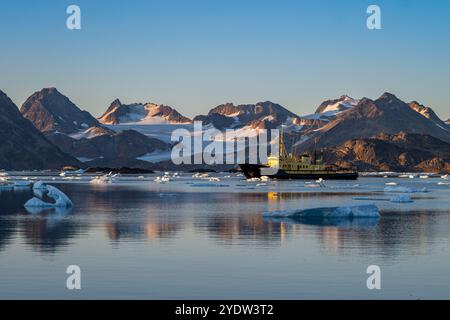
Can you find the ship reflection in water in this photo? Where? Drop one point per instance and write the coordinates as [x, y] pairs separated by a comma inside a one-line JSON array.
[[217, 235]]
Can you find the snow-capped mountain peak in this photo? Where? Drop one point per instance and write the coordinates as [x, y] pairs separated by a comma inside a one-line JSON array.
[[139, 113], [328, 109]]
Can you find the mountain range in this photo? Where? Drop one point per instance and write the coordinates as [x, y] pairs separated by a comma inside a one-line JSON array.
[[381, 134], [23, 146]]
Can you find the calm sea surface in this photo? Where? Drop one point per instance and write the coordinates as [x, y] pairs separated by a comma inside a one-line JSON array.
[[191, 238]]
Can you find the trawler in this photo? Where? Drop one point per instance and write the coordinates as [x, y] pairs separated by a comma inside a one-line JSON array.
[[289, 166]]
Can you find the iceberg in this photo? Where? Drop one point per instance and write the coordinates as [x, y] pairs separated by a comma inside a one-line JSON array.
[[351, 211], [60, 198], [39, 185]]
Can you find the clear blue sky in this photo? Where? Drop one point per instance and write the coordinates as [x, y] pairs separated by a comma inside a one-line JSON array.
[[196, 54]]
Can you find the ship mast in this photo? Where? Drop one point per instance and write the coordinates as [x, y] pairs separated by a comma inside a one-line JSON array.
[[281, 148]]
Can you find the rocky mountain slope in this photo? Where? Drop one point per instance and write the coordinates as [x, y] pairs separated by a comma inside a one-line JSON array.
[[369, 118], [401, 152], [262, 115], [49, 110], [80, 135], [120, 149], [22, 146]]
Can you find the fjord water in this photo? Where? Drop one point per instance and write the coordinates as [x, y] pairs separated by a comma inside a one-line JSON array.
[[191, 240]]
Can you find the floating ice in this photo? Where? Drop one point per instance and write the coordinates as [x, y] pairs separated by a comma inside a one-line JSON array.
[[60, 198], [106, 179], [200, 175], [22, 184], [208, 184], [163, 179], [39, 185], [400, 189], [402, 198], [352, 211], [391, 183]]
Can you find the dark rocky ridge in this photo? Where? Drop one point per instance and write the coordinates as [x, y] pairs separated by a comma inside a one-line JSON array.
[[22, 146], [401, 152]]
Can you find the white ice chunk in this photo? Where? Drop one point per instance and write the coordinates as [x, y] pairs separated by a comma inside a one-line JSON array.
[[60, 198], [106, 179], [39, 185]]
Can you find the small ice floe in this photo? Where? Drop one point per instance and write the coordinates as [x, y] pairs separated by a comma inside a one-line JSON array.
[[208, 184], [163, 179], [253, 180], [214, 179], [320, 183], [400, 189], [312, 185], [261, 184], [176, 175], [411, 176], [200, 175], [402, 198], [351, 211], [60, 199], [105, 179], [441, 183], [391, 183], [141, 177], [62, 174], [424, 177], [264, 178], [444, 177]]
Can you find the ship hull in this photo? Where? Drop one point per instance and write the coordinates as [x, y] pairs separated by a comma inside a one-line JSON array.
[[254, 171]]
